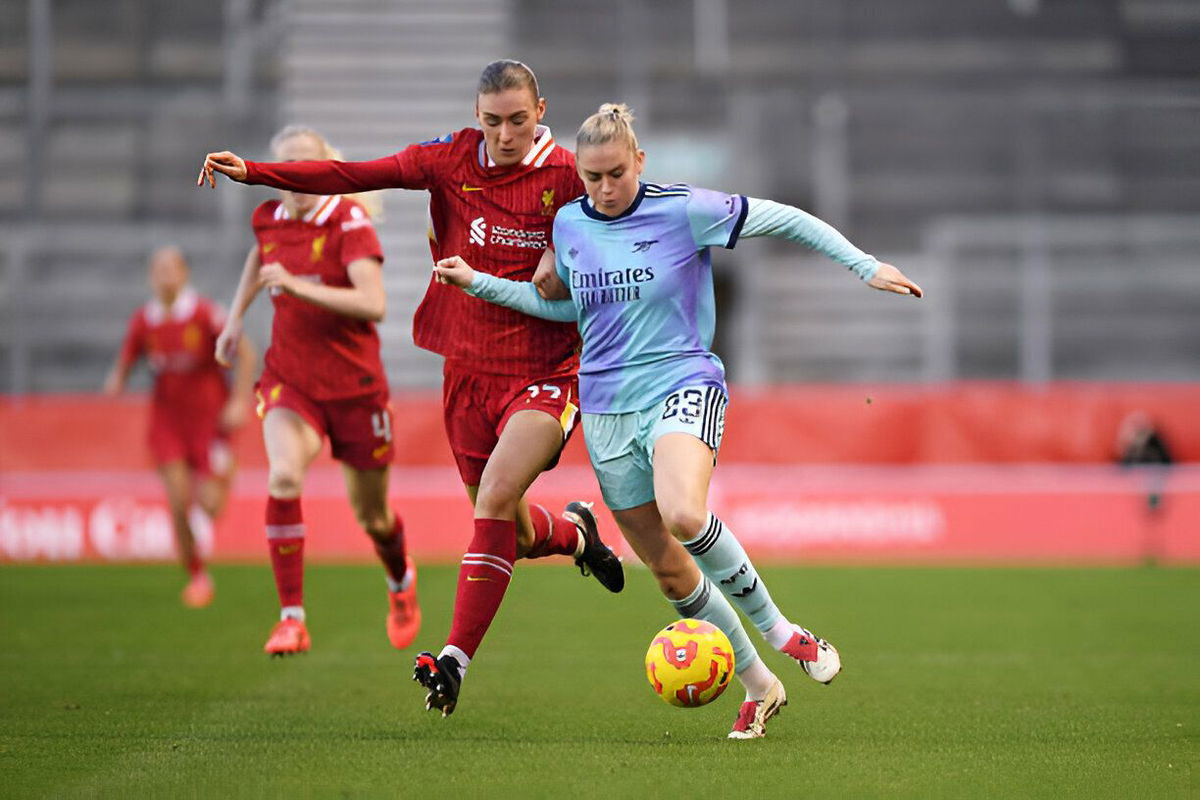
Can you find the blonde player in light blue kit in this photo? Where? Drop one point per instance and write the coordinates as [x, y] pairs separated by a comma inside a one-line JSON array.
[[635, 259]]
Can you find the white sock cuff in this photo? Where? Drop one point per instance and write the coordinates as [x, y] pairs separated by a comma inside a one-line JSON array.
[[292, 612], [458, 655], [757, 679], [779, 633]]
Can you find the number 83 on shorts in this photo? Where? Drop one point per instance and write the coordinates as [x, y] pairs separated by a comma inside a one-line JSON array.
[[697, 410]]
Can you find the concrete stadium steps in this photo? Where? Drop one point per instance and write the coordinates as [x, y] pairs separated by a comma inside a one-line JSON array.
[[1119, 295], [818, 322], [375, 77], [12, 167]]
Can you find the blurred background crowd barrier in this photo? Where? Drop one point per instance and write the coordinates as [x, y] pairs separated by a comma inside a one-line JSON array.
[[1034, 164]]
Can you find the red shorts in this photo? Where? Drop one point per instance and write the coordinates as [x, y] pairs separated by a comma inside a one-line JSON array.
[[199, 444], [359, 429], [476, 407]]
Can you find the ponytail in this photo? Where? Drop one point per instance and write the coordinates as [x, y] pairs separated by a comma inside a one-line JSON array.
[[612, 123]]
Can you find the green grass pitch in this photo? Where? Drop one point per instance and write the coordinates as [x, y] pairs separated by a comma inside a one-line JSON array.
[[959, 683]]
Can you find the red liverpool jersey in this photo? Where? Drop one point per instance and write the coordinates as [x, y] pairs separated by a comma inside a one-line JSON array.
[[325, 355], [179, 343], [497, 218]]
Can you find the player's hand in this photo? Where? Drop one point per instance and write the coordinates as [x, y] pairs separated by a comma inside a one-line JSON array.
[[233, 414], [546, 279], [454, 272], [229, 164], [113, 384], [275, 276], [227, 343], [889, 279]]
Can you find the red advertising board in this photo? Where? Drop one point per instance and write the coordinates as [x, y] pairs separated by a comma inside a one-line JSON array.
[[965, 473]]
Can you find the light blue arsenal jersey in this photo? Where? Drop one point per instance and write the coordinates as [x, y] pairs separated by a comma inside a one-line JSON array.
[[642, 287]]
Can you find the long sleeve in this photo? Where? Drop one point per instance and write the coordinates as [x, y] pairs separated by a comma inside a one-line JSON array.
[[521, 296], [768, 218], [336, 177]]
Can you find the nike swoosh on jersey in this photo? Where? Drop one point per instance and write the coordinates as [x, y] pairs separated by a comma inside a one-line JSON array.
[[466, 188]]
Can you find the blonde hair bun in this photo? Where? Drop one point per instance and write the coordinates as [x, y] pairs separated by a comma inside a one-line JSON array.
[[612, 123]]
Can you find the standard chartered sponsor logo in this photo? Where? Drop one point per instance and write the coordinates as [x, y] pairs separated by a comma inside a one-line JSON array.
[[506, 237], [478, 231], [518, 237]]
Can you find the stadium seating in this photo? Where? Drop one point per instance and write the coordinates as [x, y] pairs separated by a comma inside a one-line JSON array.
[[911, 128]]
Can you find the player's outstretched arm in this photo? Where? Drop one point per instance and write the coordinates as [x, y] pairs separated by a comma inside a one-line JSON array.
[[518, 295], [312, 177], [768, 218], [889, 279], [231, 165]]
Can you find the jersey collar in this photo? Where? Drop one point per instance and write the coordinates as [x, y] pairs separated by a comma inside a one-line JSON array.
[[317, 215], [183, 307], [585, 203]]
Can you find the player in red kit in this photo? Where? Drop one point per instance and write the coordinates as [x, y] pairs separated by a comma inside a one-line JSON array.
[[193, 409], [320, 260], [510, 386]]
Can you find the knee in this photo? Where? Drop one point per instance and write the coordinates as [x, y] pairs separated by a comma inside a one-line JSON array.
[[211, 500], [376, 523], [673, 586], [675, 577], [212, 506], [497, 498], [684, 523], [285, 481]]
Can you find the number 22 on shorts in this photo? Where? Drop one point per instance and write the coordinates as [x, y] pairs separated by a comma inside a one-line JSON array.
[[535, 390]]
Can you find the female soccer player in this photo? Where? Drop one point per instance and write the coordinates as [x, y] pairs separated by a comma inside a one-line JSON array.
[[193, 409], [510, 385], [320, 260], [635, 257]]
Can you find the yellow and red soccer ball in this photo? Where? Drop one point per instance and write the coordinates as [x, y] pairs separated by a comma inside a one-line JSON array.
[[689, 663]]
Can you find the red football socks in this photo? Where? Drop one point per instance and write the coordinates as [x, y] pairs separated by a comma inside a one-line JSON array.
[[552, 535], [482, 580], [285, 538], [391, 551]]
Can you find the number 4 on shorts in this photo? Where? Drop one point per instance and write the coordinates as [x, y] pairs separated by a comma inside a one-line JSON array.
[[381, 425]]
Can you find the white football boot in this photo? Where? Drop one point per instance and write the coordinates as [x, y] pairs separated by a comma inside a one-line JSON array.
[[816, 656]]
